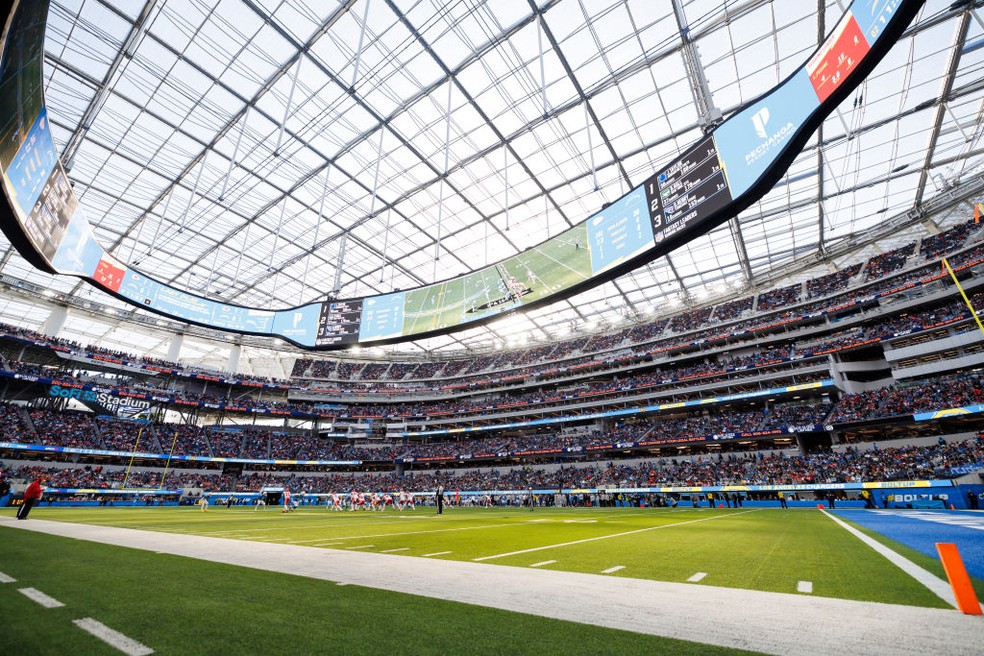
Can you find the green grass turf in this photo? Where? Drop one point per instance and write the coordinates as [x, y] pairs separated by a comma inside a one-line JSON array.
[[183, 606], [762, 549]]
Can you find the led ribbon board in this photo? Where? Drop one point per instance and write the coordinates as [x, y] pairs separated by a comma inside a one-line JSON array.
[[715, 179]]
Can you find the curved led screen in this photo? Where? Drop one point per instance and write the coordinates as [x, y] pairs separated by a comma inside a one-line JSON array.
[[716, 178]]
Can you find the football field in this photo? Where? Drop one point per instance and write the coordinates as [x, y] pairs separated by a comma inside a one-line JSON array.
[[804, 555]]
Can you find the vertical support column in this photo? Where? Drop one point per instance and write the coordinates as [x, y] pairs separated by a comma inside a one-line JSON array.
[[505, 171], [157, 233], [236, 352], [543, 70], [174, 349], [375, 195], [708, 114], [235, 155], [55, 321], [440, 202], [194, 190], [587, 128], [358, 50], [317, 228], [343, 242], [290, 99]]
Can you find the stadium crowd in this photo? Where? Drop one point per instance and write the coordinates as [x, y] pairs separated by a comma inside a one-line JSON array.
[[759, 468]]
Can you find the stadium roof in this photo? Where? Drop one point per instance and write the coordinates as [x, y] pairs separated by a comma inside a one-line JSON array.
[[226, 147]]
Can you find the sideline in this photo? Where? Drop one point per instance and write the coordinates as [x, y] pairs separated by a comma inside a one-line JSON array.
[[933, 583], [766, 622]]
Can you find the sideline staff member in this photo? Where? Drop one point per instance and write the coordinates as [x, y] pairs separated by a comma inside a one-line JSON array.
[[31, 496], [439, 498]]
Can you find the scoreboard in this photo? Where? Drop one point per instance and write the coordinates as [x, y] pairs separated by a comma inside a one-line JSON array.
[[688, 191], [338, 322]]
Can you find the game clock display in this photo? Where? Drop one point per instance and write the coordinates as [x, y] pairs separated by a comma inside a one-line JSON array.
[[688, 191]]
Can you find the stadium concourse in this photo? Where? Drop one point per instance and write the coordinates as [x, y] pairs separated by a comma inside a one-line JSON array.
[[660, 264]]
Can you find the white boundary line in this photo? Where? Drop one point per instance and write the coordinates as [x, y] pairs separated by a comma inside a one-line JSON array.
[[37, 596], [613, 535], [114, 639], [936, 585]]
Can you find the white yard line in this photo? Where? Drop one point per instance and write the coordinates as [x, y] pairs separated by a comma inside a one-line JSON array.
[[606, 537], [546, 562], [37, 596], [699, 576], [115, 639], [806, 587], [612, 570], [936, 585], [362, 546], [394, 550], [6, 579], [437, 553]]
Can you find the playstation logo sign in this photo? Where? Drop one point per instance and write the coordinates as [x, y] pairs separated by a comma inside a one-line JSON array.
[[760, 119]]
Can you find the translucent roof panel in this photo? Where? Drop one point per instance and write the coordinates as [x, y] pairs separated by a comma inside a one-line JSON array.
[[233, 148]]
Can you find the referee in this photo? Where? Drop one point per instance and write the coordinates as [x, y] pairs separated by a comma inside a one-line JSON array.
[[439, 497]]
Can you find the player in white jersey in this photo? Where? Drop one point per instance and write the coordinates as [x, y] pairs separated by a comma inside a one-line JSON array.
[[377, 501], [336, 502], [411, 501], [353, 501], [387, 501]]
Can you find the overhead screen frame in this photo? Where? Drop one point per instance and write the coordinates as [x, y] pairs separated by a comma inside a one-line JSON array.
[[302, 325]]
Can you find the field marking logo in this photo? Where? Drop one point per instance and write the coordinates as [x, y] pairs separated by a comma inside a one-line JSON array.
[[760, 119]]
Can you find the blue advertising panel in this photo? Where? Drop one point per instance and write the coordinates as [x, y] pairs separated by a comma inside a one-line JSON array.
[[184, 305], [873, 15], [299, 324], [236, 317], [620, 232], [948, 412], [382, 317], [32, 165], [749, 142], [79, 251], [139, 288]]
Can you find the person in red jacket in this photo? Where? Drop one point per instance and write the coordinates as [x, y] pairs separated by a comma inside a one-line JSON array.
[[31, 496]]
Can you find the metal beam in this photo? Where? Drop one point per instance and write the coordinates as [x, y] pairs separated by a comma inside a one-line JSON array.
[[960, 36], [127, 50]]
